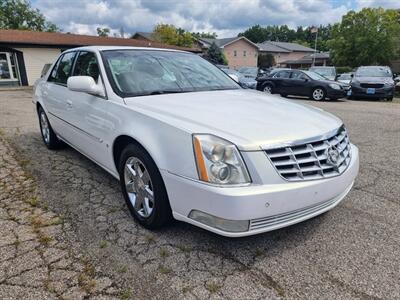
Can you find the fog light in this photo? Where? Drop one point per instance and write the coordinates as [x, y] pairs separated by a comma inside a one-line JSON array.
[[223, 224]]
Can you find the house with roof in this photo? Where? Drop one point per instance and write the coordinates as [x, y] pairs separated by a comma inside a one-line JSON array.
[[283, 51], [239, 51], [23, 53]]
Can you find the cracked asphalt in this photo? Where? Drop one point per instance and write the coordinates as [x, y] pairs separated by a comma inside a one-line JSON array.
[[98, 251]]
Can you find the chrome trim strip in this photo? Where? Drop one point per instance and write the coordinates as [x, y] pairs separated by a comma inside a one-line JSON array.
[[303, 141], [83, 131]]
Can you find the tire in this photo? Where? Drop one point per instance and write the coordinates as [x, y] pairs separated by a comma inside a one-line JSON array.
[[267, 88], [389, 99], [49, 137], [154, 212], [318, 94]]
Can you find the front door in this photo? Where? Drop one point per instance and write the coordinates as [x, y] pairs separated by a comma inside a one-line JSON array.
[[91, 114]]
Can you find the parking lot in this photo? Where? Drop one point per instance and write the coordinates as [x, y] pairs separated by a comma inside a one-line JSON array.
[[349, 252]]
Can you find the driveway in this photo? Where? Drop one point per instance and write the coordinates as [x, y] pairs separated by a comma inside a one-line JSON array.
[[350, 252]]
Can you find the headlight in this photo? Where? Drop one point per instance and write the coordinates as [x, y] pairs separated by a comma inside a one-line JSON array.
[[389, 84], [335, 86], [218, 161]]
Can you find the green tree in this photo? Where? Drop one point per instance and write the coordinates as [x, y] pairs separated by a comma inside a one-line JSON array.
[[210, 35], [169, 34], [215, 55], [370, 36], [104, 32], [265, 61], [18, 14]]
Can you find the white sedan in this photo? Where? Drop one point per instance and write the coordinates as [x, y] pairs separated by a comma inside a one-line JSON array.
[[187, 142]]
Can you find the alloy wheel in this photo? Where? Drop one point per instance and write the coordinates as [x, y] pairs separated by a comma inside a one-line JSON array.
[[268, 89], [318, 94], [139, 187], [45, 128]]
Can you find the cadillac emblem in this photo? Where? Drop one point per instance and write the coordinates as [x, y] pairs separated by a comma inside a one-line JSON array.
[[333, 155]]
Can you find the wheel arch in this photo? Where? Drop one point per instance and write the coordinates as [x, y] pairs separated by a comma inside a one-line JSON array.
[[119, 144]]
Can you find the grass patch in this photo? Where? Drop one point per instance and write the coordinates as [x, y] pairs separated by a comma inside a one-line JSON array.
[[86, 283], [164, 270], [34, 201], [123, 269], [102, 244], [113, 209], [163, 252], [44, 239], [212, 287], [184, 248], [125, 294], [150, 238]]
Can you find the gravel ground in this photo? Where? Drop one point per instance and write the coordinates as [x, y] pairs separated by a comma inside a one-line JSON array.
[[350, 252]]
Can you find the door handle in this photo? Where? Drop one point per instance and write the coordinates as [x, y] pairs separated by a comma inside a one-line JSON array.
[[69, 104]]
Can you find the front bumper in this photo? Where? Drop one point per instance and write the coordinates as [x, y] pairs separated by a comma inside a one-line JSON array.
[[384, 92], [336, 94], [265, 206]]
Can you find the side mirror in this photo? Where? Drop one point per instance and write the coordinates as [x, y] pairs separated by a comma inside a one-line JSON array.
[[85, 84]]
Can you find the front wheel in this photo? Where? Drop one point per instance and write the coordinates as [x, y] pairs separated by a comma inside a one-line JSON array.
[[318, 94], [49, 137], [267, 89], [143, 188]]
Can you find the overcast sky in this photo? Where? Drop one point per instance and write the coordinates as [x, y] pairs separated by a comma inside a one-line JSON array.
[[225, 17]]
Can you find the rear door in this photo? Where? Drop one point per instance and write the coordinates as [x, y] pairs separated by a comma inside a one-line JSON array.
[[57, 97], [281, 83]]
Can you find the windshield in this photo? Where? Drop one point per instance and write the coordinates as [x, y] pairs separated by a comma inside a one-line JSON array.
[[314, 75], [324, 71], [374, 72], [148, 72]]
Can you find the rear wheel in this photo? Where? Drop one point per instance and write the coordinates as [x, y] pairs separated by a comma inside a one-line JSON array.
[[318, 94], [389, 99], [50, 139], [143, 188]]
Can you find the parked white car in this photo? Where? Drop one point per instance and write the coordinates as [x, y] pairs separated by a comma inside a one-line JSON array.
[[185, 141]]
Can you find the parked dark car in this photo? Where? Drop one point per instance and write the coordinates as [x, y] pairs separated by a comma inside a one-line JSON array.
[[302, 83], [373, 82]]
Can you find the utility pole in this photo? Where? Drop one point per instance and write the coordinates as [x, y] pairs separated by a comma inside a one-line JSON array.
[[315, 30]]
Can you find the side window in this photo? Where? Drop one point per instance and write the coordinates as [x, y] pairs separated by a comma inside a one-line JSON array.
[[62, 70], [86, 65], [298, 75], [282, 74]]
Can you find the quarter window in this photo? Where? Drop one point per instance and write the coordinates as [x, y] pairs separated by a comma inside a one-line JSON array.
[[62, 70], [86, 65]]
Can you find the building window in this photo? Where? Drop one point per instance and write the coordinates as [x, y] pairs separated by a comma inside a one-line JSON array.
[[234, 53], [244, 53]]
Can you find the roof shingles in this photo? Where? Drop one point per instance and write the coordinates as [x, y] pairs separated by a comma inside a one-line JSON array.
[[65, 39]]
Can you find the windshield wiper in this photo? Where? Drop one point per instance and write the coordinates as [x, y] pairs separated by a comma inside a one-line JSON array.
[[160, 92]]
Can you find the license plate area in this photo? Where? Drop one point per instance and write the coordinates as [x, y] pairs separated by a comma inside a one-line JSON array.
[[370, 91]]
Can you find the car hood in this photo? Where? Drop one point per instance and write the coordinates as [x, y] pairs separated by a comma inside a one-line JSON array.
[[374, 79], [250, 119]]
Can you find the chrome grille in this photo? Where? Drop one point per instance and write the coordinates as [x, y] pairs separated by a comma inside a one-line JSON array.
[[310, 161]]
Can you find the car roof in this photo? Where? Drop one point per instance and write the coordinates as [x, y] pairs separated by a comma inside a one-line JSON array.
[[104, 48]]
